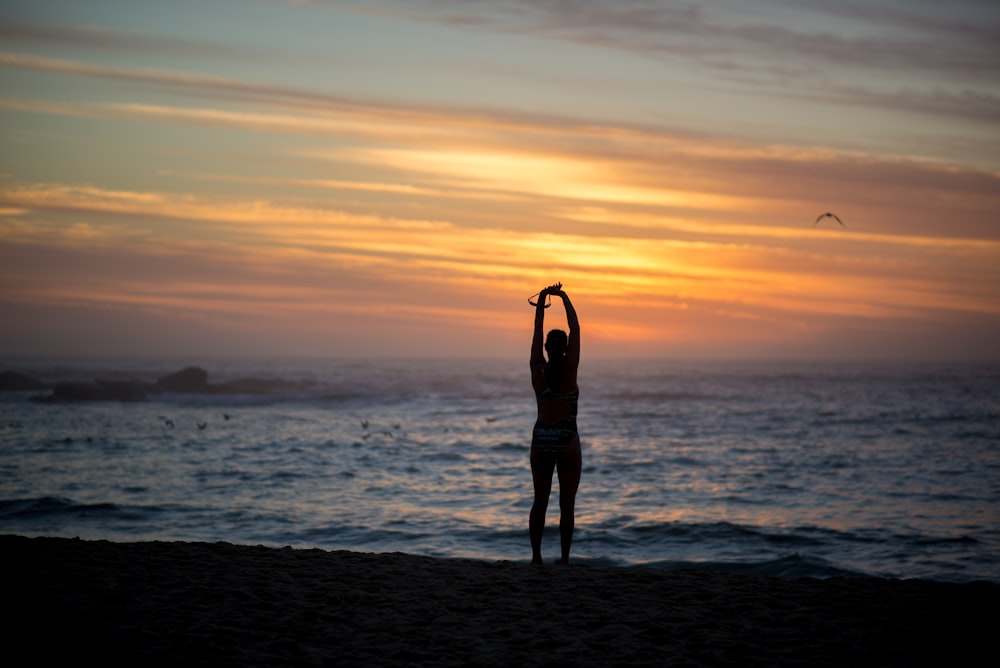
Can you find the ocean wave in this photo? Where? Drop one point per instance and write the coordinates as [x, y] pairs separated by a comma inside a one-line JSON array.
[[51, 506]]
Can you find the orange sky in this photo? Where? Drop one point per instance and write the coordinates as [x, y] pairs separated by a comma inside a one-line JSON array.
[[328, 179]]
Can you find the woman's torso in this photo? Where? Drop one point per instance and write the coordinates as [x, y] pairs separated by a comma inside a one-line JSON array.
[[555, 406]]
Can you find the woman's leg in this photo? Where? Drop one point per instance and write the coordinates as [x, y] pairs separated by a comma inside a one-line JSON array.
[[542, 466], [570, 467]]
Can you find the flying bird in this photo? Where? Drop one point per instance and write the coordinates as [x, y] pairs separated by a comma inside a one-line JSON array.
[[829, 215]]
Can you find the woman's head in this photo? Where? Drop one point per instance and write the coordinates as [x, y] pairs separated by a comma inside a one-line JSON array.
[[555, 343]]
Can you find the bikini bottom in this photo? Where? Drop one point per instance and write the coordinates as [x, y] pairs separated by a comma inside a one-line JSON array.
[[553, 438]]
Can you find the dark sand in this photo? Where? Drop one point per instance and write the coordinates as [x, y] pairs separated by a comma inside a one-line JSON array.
[[221, 604]]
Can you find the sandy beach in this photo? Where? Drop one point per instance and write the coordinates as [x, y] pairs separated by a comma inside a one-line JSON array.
[[223, 604]]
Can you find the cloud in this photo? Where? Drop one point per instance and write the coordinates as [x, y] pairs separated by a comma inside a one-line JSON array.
[[447, 154], [102, 38], [909, 38], [757, 275], [979, 106], [314, 273], [217, 86], [894, 56], [384, 112], [331, 114]]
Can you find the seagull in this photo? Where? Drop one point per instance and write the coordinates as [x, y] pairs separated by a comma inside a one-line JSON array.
[[829, 215]]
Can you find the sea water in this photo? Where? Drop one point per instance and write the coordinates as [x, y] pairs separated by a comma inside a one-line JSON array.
[[780, 468]]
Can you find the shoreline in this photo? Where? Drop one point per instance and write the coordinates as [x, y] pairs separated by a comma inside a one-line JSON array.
[[224, 604]]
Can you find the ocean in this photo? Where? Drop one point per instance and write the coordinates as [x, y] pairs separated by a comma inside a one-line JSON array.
[[800, 469]]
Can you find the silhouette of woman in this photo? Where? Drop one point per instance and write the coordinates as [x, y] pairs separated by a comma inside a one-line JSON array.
[[555, 443]]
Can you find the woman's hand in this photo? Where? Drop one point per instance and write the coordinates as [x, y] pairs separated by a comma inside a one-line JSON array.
[[544, 294]]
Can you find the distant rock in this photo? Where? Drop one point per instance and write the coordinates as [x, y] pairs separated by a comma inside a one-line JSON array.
[[192, 380], [11, 381]]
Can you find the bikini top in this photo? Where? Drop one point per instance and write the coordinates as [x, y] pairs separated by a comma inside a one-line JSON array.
[[570, 397]]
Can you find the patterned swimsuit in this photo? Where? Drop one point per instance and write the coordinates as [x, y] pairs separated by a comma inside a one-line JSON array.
[[555, 438]]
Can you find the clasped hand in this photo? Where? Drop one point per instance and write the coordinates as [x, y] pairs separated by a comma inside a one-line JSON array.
[[542, 294], [555, 289]]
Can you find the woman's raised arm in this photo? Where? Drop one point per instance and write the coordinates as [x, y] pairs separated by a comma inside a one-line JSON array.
[[537, 346], [573, 344]]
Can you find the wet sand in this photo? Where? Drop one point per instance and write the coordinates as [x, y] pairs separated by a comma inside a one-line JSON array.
[[222, 604]]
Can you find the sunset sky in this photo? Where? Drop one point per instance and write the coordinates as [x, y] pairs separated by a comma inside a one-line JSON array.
[[397, 177]]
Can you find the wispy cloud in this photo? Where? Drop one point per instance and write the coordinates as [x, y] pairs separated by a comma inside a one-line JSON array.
[[99, 38], [334, 113], [434, 253], [275, 95], [454, 153], [218, 86], [721, 34], [900, 57], [978, 105]]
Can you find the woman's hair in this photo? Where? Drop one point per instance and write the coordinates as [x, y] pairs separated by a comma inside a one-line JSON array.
[[555, 345]]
